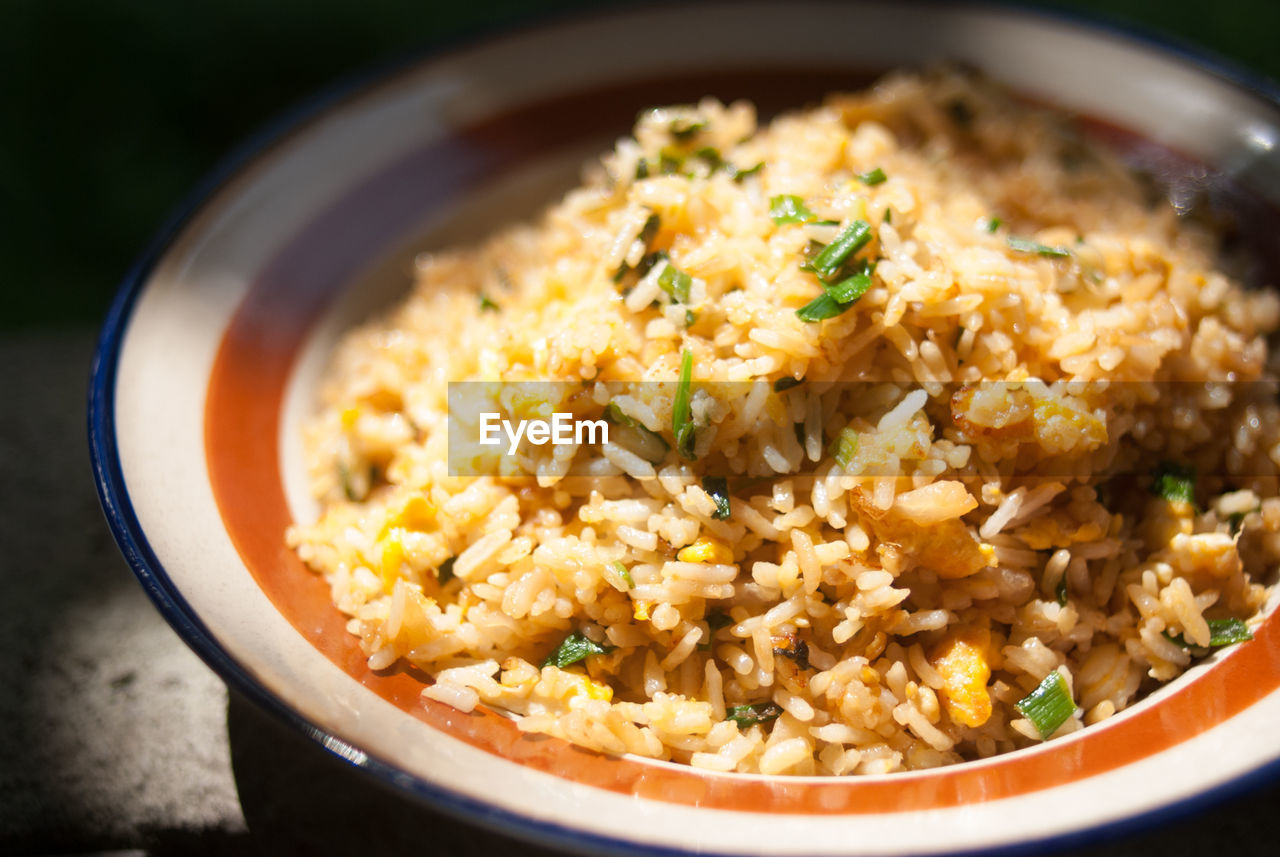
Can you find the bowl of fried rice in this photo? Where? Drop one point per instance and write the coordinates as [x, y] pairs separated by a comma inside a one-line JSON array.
[[640, 446]]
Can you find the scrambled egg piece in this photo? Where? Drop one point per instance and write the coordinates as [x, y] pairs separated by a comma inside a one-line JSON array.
[[962, 659], [707, 550]]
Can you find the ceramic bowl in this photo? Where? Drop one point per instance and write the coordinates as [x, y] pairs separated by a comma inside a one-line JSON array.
[[211, 354]]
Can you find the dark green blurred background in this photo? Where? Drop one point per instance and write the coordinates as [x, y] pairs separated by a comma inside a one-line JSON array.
[[112, 110]]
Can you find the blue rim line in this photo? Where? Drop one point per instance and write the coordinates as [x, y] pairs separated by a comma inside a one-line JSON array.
[[127, 531]]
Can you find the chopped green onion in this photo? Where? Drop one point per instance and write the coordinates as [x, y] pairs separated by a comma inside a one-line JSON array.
[[716, 620], [888, 215], [1222, 632], [960, 112], [786, 383], [993, 223], [621, 570], [668, 164], [852, 239], [845, 447], [487, 304], [1048, 706], [718, 488], [712, 156], [344, 479], [445, 572], [1174, 482], [796, 650], [682, 128], [575, 647], [690, 317], [786, 208], [681, 419], [616, 416], [652, 224], [1236, 519], [747, 716], [1026, 245], [675, 283], [822, 307], [649, 260], [1062, 591], [738, 175], [850, 289], [873, 177]]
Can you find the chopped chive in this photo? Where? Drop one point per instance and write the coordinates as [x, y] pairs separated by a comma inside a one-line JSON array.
[[872, 177], [445, 572], [690, 317], [747, 716], [487, 304], [681, 419], [786, 383], [850, 289], [822, 307], [1026, 245], [1222, 632], [738, 175], [852, 239], [1062, 591], [718, 488], [675, 283], [993, 223], [1174, 482], [575, 647], [621, 570], [888, 215], [845, 447], [1048, 706], [787, 208]]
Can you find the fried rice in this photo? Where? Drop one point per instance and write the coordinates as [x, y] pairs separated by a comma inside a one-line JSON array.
[[986, 479]]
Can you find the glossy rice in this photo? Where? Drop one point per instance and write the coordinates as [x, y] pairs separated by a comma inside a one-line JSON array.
[[999, 463]]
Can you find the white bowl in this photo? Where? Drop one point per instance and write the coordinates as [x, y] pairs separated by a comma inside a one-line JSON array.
[[211, 352]]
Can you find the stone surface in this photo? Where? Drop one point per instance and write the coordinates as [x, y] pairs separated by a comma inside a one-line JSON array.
[[115, 733]]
